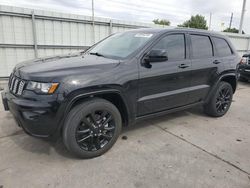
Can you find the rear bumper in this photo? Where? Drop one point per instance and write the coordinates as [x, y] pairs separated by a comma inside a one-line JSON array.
[[39, 118]]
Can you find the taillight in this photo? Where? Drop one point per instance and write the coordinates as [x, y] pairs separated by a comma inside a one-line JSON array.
[[243, 61]]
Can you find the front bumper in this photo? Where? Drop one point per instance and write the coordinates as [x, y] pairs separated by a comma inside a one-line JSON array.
[[244, 71], [5, 101], [37, 115]]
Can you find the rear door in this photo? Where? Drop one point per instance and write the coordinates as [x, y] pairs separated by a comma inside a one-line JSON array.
[[223, 53], [164, 85], [204, 64]]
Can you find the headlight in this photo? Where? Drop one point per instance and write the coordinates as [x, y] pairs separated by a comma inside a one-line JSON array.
[[42, 88]]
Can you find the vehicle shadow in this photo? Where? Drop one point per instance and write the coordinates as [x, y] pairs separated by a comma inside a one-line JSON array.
[[52, 145], [39, 146], [166, 118], [244, 84]]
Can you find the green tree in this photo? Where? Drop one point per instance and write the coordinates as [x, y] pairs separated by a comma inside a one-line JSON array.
[[232, 30], [197, 21], [162, 22]]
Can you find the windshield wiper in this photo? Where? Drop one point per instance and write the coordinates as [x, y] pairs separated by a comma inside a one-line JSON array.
[[96, 53]]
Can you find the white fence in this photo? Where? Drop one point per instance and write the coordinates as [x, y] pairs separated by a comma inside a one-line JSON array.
[[241, 42], [26, 34]]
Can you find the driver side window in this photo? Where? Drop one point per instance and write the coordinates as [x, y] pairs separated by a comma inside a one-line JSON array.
[[174, 44]]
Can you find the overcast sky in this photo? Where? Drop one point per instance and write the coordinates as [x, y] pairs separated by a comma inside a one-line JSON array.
[[177, 11]]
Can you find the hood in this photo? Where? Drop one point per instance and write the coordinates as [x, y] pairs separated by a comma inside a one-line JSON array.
[[48, 69]]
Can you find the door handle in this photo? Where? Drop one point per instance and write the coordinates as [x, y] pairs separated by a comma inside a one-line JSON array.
[[216, 62], [183, 66]]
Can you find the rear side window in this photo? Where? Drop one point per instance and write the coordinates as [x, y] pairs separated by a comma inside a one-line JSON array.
[[174, 45], [201, 46], [222, 47]]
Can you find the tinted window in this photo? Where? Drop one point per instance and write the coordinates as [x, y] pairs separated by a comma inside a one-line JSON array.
[[222, 47], [201, 46], [174, 45]]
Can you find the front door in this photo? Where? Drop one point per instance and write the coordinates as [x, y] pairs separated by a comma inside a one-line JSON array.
[[164, 85]]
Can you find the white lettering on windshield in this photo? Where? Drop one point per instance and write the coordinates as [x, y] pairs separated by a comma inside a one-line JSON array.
[[144, 35]]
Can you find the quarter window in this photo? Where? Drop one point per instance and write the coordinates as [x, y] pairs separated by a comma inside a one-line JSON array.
[[174, 44], [201, 46], [222, 47]]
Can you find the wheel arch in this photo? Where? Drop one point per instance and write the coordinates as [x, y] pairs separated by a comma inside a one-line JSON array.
[[113, 96], [230, 78]]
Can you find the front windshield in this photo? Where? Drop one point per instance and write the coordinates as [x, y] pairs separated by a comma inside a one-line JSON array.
[[120, 45]]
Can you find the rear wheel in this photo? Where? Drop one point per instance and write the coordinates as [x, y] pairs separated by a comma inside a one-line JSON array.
[[92, 128], [220, 102]]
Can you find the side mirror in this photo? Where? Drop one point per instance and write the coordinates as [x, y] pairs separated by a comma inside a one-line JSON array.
[[158, 55]]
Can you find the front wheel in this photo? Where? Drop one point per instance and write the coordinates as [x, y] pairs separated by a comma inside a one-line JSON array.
[[220, 102], [92, 128]]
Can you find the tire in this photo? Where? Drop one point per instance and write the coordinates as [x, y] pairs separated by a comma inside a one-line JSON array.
[[220, 102], [91, 128]]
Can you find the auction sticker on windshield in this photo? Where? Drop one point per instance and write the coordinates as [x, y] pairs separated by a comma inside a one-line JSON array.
[[144, 35]]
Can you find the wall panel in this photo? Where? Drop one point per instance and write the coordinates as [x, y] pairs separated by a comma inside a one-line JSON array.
[[59, 33]]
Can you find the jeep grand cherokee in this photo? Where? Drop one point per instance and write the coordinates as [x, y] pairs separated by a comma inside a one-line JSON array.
[[128, 76]]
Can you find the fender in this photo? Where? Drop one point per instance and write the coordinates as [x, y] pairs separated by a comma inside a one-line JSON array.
[[212, 90], [93, 93], [71, 100]]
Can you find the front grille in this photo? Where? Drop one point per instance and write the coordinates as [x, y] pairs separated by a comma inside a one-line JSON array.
[[16, 85]]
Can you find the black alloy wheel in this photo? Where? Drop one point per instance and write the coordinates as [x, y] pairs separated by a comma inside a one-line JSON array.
[[92, 128], [95, 130], [220, 100], [223, 100]]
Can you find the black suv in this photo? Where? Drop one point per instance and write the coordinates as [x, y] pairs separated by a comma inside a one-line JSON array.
[[244, 68], [87, 97]]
